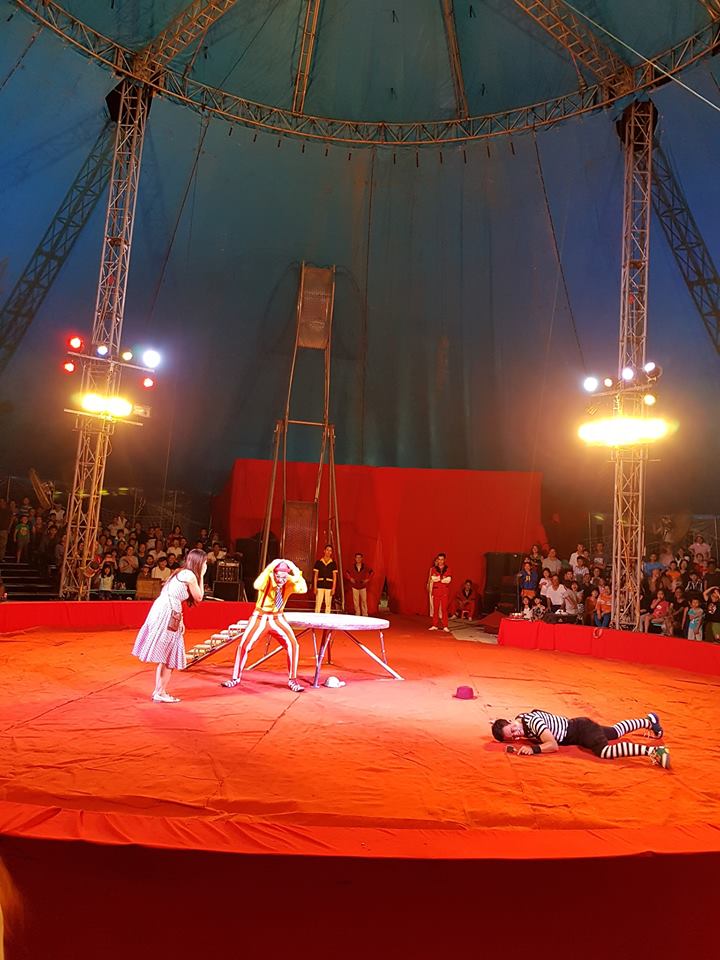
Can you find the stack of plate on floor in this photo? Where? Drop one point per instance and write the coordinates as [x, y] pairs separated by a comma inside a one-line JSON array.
[[216, 640]]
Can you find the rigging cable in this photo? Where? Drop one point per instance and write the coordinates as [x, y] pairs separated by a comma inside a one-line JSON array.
[[557, 253]]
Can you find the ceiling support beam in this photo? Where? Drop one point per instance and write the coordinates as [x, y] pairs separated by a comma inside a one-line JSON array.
[[586, 50], [461, 104], [189, 25], [307, 47], [712, 7]]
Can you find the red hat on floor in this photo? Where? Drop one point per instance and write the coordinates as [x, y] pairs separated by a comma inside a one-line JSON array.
[[465, 693]]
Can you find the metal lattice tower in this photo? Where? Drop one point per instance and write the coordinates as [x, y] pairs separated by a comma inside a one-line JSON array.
[[687, 244], [637, 129], [102, 376], [45, 264], [130, 103]]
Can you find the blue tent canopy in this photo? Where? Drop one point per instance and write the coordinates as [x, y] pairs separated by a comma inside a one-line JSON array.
[[461, 333]]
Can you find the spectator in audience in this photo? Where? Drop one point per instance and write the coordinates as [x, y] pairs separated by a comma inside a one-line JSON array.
[[538, 608], [173, 563], [556, 594], [694, 618], [21, 537], [659, 615], [161, 572], [712, 614], [144, 573], [679, 605], [652, 564], [694, 586], [526, 608], [596, 576], [590, 604], [529, 579], [712, 575], [599, 558], [544, 582], [3, 597], [672, 575], [572, 601], [578, 552], [535, 556], [128, 567], [215, 555], [552, 562], [174, 547], [465, 601], [580, 568], [5, 519], [603, 607], [107, 576], [699, 550]]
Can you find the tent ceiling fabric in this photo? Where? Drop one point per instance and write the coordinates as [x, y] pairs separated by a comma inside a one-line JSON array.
[[387, 60], [453, 343]]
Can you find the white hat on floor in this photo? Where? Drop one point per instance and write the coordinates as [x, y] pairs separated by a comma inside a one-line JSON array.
[[334, 682]]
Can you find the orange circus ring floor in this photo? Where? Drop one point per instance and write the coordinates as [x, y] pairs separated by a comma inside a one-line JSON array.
[[380, 794]]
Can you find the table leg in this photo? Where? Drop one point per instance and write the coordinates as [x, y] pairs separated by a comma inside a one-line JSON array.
[[324, 644]]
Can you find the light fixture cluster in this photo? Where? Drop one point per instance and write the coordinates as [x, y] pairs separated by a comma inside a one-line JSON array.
[[629, 378], [150, 358]]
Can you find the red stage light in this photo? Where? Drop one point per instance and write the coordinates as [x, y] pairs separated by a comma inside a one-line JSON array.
[[69, 367], [75, 342], [148, 383]]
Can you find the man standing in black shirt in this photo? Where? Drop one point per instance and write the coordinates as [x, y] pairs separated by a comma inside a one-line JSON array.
[[325, 580]]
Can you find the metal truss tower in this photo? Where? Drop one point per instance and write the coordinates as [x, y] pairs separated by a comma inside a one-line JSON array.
[[102, 375], [687, 244], [45, 264], [130, 106], [636, 128]]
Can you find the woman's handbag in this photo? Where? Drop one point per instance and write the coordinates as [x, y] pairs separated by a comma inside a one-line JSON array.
[[174, 622]]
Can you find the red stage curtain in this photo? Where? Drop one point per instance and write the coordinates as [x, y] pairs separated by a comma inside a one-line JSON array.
[[400, 518], [612, 645]]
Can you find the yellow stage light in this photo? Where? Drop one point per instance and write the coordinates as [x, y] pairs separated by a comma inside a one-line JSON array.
[[92, 402], [623, 431], [116, 407], [649, 399]]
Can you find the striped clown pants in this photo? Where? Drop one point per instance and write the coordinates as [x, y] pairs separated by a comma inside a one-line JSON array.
[[277, 626]]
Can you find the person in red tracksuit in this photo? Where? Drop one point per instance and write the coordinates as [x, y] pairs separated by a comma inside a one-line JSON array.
[[439, 589]]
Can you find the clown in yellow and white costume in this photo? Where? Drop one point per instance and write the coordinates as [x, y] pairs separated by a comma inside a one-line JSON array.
[[275, 585]]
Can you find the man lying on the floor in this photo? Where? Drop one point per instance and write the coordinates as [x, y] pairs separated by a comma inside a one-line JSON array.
[[547, 731]]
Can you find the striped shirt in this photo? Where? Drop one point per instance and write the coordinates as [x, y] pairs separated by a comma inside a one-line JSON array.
[[537, 721]]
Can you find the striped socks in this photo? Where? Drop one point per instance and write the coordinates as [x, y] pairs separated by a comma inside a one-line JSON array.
[[627, 726], [624, 749]]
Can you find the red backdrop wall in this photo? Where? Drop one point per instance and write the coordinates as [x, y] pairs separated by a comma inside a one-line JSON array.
[[399, 518]]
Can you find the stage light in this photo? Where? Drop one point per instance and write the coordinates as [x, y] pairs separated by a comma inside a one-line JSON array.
[[627, 373], [92, 402], [151, 358], [649, 366], [608, 382], [75, 342], [127, 355], [102, 350], [591, 384], [623, 431], [69, 366], [148, 383], [649, 399], [118, 407]]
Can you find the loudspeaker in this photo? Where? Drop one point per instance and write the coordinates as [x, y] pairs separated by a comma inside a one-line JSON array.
[[498, 566], [228, 590]]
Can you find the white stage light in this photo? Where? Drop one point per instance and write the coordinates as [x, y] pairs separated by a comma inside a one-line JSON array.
[[151, 359], [591, 384], [627, 373]]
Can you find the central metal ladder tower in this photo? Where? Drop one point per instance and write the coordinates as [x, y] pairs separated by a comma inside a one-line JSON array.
[[300, 529]]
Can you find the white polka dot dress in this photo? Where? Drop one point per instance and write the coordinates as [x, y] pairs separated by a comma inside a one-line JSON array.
[[155, 643]]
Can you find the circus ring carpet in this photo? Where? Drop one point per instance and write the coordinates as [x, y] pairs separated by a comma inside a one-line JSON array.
[[379, 817]]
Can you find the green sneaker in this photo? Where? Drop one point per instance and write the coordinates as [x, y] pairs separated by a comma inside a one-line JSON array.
[[661, 757]]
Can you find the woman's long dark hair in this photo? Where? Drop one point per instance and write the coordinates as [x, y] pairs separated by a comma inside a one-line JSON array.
[[194, 562]]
